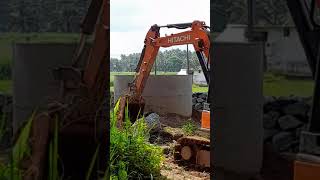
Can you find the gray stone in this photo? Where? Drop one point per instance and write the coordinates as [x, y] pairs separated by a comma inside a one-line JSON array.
[[270, 119], [309, 143], [200, 100], [300, 129], [194, 100], [268, 133], [203, 96], [298, 108], [153, 121], [309, 112], [289, 122], [308, 100], [268, 99], [198, 106], [282, 141]]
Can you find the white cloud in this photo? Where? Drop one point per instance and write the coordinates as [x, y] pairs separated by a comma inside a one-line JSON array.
[[131, 19]]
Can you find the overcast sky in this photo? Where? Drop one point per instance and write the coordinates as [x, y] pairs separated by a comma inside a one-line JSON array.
[[131, 19]]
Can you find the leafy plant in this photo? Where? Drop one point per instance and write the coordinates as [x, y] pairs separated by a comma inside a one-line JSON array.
[[20, 150], [189, 128], [93, 160], [53, 154], [2, 126], [130, 153]]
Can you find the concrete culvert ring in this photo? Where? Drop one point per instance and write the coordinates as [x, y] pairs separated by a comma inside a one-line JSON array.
[[186, 153]]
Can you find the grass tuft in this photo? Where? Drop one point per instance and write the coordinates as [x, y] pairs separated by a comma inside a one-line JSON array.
[[131, 155], [189, 128]]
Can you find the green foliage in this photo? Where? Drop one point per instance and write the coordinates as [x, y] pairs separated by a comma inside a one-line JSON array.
[[21, 148], [2, 126], [189, 128], [93, 160], [46, 16], [8, 172], [5, 71], [166, 61], [130, 153], [268, 12], [53, 154]]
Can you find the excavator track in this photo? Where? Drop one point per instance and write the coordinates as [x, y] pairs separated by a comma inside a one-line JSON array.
[[193, 151]]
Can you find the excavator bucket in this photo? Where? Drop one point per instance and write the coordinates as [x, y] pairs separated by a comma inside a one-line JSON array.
[[129, 107]]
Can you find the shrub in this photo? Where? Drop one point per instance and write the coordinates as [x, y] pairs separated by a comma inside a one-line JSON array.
[[131, 155]]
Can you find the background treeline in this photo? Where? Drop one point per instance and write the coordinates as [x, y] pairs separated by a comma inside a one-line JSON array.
[[65, 15], [42, 15], [268, 12], [167, 61]]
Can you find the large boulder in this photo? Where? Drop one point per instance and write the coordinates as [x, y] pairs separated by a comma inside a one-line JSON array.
[[270, 119], [282, 141], [288, 122], [153, 121], [297, 109]]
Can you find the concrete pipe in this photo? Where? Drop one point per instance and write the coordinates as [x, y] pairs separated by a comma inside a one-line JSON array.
[[163, 94], [34, 84]]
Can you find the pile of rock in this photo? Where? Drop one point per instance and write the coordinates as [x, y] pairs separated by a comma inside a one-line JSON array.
[[283, 120], [198, 100]]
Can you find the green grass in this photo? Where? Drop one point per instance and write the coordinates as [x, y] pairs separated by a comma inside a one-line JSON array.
[[189, 128], [281, 86], [6, 86], [131, 155], [273, 85], [196, 88]]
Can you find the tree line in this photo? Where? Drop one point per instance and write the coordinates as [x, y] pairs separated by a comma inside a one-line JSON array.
[[46, 15], [268, 12], [66, 15], [166, 61]]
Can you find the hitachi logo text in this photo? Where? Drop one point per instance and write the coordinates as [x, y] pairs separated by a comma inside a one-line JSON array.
[[179, 39]]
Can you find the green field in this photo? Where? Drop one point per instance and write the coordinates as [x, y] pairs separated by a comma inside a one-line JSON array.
[[273, 85]]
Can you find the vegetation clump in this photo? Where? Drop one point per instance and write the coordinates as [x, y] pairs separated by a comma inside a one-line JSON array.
[[189, 128], [131, 155]]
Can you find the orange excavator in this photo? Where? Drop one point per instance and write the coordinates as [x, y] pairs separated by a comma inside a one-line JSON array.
[[198, 36], [192, 149]]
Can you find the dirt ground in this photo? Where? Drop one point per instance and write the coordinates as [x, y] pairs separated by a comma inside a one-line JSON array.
[[170, 169]]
